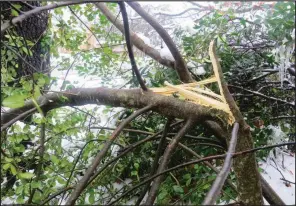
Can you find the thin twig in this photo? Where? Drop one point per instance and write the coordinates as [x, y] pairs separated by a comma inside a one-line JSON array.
[[262, 95], [129, 46], [213, 194], [83, 182]]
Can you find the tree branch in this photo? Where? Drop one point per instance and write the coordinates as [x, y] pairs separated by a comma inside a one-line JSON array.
[[129, 46], [130, 98], [165, 160], [83, 182], [214, 192], [180, 66]]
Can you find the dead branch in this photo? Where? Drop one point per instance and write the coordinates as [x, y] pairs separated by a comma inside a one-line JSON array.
[[214, 192], [82, 183], [263, 95]]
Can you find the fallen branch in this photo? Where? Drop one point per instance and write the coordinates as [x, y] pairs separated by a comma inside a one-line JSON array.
[[214, 192], [129, 98]]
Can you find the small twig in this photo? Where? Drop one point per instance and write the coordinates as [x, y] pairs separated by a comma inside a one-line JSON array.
[[89, 30], [287, 181], [83, 182], [213, 194], [129, 46], [262, 95]]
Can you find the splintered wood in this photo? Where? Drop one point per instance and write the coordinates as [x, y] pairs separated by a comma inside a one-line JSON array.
[[198, 93]]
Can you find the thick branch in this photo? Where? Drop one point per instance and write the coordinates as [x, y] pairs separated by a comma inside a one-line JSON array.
[[250, 191], [221, 177], [165, 160], [83, 182], [181, 68], [129, 46], [130, 98]]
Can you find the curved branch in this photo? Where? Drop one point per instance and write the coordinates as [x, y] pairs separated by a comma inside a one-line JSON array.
[[221, 177], [129, 46], [83, 182], [181, 67]]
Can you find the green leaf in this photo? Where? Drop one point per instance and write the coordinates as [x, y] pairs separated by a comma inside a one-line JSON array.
[[8, 159], [54, 159], [14, 12], [243, 22], [13, 169], [36, 184], [91, 198], [25, 175], [162, 195], [20, 199], [6, 166], [14, 101], [178, 189]]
